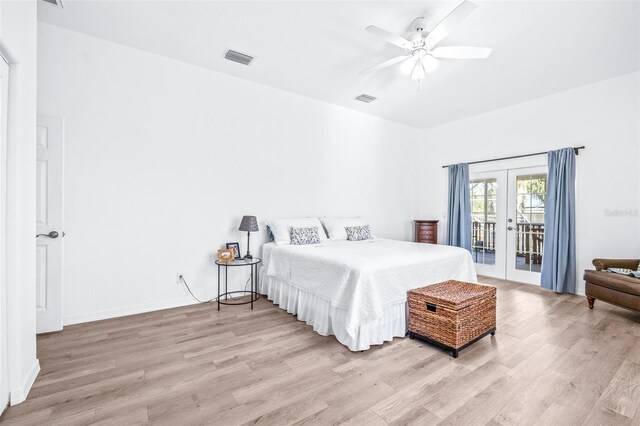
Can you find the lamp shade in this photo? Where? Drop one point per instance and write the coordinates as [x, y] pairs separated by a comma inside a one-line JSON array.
[[249, 224]]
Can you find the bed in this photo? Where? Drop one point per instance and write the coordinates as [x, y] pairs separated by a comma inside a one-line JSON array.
[[357, 290]]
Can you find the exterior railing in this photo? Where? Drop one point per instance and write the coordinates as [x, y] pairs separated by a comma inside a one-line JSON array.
[[483, 236], [529, 239]]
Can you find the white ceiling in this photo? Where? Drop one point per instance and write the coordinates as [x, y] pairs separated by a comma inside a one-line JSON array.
[[317, 48]]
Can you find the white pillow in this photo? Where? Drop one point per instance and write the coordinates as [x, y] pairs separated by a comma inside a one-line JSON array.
[[335, 226], [281, 228]]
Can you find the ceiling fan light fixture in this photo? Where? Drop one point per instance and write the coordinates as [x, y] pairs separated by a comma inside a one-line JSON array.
[[430, 63], [408, 65], [419, 72]]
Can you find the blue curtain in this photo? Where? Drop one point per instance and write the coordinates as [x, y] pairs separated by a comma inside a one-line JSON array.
[[559, 248], [459, 208]]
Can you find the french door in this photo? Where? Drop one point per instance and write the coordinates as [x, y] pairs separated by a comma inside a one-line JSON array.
[[488, 214], [525, 223], [507, 215]]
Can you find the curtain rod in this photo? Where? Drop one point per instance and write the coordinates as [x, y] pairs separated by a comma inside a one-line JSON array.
[[576, 149]]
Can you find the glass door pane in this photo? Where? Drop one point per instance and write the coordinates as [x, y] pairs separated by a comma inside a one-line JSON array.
[[530, 198], [483, 220]]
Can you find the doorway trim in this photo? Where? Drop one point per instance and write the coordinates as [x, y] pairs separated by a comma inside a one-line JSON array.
[[4, 349], [23, 364]]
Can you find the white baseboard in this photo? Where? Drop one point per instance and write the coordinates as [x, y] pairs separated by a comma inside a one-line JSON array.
[[129, 310], [18, 395]]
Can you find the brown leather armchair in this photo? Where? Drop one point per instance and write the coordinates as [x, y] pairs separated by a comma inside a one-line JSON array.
[[619, 290]]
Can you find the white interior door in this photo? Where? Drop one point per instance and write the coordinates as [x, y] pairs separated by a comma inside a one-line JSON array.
[[525, 223], [49, 223], [488, 192], [4, 104]]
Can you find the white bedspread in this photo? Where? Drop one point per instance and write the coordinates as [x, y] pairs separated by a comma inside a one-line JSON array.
[[364, 277]]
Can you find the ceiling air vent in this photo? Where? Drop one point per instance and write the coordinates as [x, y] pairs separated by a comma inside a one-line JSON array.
[[54, 2], [365, 98], [241, 58]]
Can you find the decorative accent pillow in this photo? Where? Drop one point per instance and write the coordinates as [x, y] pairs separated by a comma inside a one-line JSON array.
[[358, 233], [300, 236], [335, 226], [270, 234]]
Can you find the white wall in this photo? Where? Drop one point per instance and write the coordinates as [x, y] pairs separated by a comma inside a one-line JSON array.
[[18, 38], [605, 117], [163, 158]]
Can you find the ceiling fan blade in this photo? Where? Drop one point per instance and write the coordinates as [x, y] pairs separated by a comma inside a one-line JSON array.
[[461, 52], [385, 64], [449, 23], [390, 37]]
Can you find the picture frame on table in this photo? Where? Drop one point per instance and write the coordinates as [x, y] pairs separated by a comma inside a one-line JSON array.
[[236, 248], [226, 255]]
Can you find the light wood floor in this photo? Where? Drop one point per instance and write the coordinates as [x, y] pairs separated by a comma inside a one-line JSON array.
[[552, 361]]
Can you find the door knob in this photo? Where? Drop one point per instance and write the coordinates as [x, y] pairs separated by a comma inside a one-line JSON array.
[[52, 234], [510, 228]]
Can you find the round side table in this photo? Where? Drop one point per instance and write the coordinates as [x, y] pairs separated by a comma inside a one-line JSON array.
[[253, 292]]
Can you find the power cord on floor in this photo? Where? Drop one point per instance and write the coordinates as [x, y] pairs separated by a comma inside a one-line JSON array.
[[245, 289], [210, 300], [193, 295]]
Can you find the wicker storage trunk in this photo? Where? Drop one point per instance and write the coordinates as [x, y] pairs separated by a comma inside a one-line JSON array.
[[452, 314]]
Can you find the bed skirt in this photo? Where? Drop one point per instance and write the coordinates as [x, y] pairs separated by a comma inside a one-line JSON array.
[[328, 319]]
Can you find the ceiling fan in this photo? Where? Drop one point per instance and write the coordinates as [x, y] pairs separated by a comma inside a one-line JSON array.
[[421, 54]]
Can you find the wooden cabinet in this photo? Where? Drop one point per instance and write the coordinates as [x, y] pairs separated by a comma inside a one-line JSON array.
[[426, 231]]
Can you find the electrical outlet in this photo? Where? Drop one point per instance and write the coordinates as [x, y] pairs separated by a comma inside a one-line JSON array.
[[179, 278]]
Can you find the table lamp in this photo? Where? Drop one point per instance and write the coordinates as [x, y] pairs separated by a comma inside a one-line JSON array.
[[249, 224]]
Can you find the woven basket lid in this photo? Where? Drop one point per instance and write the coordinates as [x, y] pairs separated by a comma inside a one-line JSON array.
[[452, 294]]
